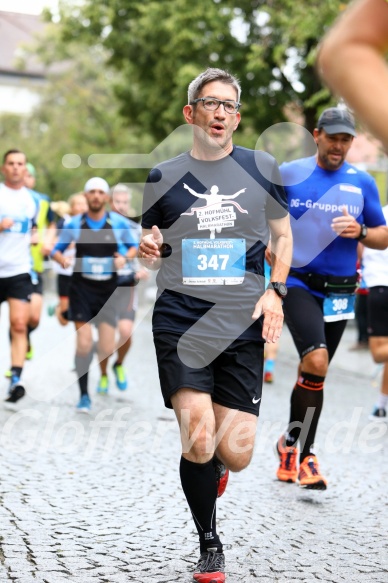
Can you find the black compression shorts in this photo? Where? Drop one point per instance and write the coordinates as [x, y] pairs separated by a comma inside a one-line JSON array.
[[303, 314]]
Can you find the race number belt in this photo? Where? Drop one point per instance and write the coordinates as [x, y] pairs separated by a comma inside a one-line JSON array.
[[213, 261]]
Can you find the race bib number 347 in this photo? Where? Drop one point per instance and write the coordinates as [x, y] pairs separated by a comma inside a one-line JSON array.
[[213, 261]]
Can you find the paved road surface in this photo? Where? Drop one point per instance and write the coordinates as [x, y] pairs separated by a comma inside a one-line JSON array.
[[96, 499]]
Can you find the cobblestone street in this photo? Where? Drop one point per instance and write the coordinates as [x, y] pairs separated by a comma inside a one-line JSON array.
[[97, 498]]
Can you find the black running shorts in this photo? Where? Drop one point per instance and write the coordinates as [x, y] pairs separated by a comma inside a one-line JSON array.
[[88, 304], [378, 311], [63, 285], [303, 313], [233, 378], [18, 287], [37, 284]]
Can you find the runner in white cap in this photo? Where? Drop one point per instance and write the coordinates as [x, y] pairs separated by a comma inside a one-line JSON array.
[[103, 245]]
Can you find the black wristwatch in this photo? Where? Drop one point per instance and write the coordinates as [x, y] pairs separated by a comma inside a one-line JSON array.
[[279, 287], [363, 233]]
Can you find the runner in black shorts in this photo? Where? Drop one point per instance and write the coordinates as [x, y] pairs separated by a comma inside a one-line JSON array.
[[207, 218], [102, 243], [75, 205], [334, 205], [375, 271], [126, 295], [18, 212]]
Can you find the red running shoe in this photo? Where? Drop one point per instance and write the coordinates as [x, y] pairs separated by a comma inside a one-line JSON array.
[[210, 567]]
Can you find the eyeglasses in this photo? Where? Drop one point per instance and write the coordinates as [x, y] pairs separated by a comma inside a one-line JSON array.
[[212, 104]]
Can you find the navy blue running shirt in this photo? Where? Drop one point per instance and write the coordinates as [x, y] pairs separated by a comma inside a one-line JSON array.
[[314, 202], [214, 216]]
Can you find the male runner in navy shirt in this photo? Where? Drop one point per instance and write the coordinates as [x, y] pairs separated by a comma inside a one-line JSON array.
[[207, 218], [103, 241]]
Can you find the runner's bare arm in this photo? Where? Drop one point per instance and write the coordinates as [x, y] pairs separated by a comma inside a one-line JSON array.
[[270, 304], [347, 227], [281, 248], [351, 61], [64, 261]]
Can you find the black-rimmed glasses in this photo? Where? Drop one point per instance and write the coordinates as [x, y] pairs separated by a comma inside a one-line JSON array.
[[212, 104]]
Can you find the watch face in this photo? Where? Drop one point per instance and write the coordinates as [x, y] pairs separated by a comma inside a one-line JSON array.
[[280, 288]]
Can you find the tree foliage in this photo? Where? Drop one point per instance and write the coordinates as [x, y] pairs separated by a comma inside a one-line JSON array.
[[159, 46], [78, 116], [126, 65]]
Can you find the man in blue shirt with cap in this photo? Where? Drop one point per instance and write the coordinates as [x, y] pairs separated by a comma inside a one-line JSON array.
[[103, 243], [334, 205]]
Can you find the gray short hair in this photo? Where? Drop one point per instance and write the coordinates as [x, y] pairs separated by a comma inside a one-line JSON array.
[[209, 76], [121, 188]]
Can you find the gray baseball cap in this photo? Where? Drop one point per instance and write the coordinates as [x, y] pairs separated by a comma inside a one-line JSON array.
[[337, 121]]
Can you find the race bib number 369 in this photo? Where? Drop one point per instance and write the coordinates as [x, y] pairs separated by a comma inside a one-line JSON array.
[[213, 261]]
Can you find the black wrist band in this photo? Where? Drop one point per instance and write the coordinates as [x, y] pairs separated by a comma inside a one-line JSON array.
[[165, 250]]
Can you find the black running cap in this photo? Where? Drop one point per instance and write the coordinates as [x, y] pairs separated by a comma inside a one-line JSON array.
[[337, 121]]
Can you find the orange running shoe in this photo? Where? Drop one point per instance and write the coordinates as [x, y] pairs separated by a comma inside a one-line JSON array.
[[287, 470], [268, 377], [309, 475]]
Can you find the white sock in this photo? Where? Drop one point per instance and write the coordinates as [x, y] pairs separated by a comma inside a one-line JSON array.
[[382, 401]]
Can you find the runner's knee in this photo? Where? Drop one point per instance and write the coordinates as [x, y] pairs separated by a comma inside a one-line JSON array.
[[84, 346], [34, 322], [18, 326], [237, 461], [198, 437], [316, 361]]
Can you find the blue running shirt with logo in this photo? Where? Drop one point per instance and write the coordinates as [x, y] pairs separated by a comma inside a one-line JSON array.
[[314, 201]]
